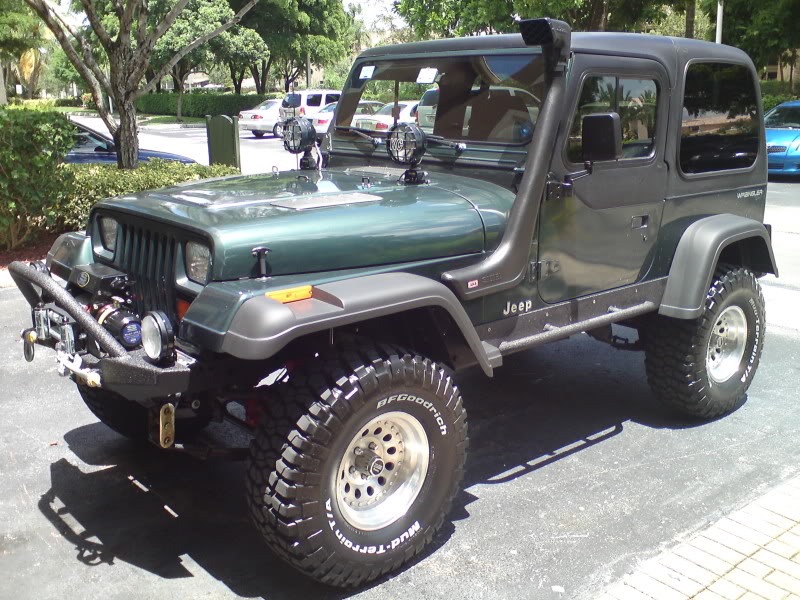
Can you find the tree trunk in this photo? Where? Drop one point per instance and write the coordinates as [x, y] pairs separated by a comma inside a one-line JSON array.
[[3, 97], [236, 79], [256, 78], [691, 5], [179, 83], [126, 138]]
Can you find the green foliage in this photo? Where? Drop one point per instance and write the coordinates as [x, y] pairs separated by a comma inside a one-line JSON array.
[[20, 29], [775, 87], [32, 144], [448, 18], [87, 101], [89, 183], [771, 100], [68, 102], [200, 104], [764, 30]]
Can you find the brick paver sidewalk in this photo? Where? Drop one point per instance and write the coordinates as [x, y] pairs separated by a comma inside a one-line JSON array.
[[752, 554]]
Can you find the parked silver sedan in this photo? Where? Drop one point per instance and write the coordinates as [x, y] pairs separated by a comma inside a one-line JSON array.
[[261, 119]]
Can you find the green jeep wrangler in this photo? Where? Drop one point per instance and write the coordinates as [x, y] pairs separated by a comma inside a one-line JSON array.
[[556, 184]]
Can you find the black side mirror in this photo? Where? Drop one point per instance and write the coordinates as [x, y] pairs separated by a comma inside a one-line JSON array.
[[602, 137]]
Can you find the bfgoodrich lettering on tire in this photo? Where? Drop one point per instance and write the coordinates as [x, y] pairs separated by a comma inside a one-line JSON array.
[[357, 462], [704, 367]]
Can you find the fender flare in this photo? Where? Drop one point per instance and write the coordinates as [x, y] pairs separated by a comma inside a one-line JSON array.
[[697, 255], [263, 326]]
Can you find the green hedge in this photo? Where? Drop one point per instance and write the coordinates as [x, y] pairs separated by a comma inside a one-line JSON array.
[[32, 144], [86, 184], [69, 102], [770, 100], [38, 193], [773, 87], [200, 104]]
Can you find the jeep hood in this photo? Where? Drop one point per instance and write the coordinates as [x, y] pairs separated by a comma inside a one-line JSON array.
[[323, 221]]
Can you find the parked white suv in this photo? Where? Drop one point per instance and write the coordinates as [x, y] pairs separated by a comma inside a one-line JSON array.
[[304, 103]]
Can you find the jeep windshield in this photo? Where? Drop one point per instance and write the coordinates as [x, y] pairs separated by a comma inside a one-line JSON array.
[[493, 98]]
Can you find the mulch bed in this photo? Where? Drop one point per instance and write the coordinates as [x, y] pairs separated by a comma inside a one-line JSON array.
[[37, 251]]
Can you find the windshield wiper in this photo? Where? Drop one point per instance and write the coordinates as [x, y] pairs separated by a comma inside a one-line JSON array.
[[376, 141]]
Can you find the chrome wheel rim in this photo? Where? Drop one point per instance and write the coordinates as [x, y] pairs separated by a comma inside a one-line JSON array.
[[382, 471], [726, 344]]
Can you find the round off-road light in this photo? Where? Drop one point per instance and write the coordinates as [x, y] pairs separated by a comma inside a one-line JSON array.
[[158, 337], [406, 144], [299, 135]]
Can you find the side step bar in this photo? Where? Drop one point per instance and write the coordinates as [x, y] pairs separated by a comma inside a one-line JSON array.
[[552, 333]]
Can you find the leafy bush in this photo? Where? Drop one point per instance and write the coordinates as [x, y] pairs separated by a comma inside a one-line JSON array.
[[770, 100], [773, 87], [32, 144], [200, 104], [87, 101], [38, 103], [69, 102], [88, 183]]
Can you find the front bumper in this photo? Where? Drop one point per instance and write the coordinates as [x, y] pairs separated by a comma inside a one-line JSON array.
[[60, 323]]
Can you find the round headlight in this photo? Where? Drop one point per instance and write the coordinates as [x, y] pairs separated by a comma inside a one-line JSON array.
[[406, 144], [198, 262], [108, 232], [158, 338], [299, 135]]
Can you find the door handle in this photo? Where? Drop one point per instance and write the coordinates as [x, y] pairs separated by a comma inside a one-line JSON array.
[[640, 221]]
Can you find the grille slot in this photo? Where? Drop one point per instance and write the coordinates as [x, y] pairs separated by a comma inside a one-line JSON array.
[[149, 258]]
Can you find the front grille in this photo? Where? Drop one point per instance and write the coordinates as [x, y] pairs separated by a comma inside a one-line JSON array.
[[775, 149], [148, 258]]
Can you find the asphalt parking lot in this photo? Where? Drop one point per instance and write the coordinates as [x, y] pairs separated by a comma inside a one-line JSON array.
[[574, 476]]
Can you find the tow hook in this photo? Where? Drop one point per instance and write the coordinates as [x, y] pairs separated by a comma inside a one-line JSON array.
[[29, 338]]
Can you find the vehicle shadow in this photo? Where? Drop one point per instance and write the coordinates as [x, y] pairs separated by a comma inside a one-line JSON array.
[[167, 512]]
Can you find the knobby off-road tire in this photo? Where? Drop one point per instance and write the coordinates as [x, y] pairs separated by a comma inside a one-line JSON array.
[[129, 418], [703, 368], [304, 473]]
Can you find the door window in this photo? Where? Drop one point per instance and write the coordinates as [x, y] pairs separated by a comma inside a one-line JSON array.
[[332, 98], [314, 100], [635, 100], [720, 127]]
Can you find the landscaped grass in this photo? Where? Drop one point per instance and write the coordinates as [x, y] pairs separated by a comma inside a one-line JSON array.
[[168, 120], [71, 109]]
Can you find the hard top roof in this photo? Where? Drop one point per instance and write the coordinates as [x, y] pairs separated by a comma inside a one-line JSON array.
[[663, 49]]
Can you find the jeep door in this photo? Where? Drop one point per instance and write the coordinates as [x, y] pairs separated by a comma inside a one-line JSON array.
[[601, 234]]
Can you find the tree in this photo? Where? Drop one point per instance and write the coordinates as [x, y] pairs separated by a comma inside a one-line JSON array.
[[199, 18], [20, 32], [313, 30], [62, 73], [128, 39], [765, 30], [238, 49], [447, 18]]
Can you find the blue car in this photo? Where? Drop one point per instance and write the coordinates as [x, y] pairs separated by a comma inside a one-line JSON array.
[[93, 147], [783, 138]]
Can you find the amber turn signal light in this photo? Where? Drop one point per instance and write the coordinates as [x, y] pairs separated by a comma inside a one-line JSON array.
[[302, 292]]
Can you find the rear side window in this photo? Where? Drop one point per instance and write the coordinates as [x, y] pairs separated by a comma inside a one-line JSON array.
[[332, 98], [720, 128], [314, 100], [635, 100], [430, 98], [291, 101]]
